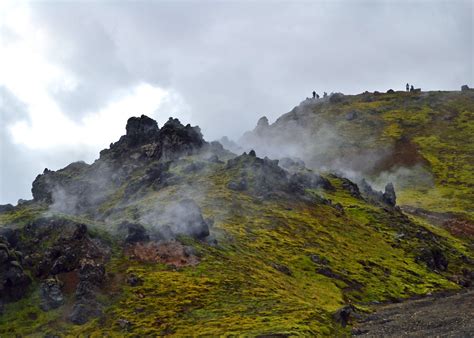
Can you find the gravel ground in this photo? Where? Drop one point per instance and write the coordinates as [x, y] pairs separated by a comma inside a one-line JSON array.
[[440, 315]]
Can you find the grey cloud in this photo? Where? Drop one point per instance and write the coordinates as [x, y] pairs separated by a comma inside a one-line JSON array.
[[232, 62]]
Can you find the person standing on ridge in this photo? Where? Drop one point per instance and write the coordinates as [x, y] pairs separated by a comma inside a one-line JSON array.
[[408, 87], [314, 94]]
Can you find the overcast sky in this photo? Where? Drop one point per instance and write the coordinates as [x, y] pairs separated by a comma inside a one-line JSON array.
[[71, 73]]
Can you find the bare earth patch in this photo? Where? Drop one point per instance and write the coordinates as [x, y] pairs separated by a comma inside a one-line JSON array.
[[170, 253], [446, 315]]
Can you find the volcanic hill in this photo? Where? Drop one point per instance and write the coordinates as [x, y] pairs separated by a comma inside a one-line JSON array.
[[168, 234]]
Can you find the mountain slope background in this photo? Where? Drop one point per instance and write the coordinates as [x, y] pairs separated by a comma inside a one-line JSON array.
[[167, 234], [423, 142]]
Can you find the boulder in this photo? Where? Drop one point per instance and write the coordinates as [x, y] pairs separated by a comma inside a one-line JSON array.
[[50, 294], [282, 268], [134, 280], [343, 315], [92, 272], [465, 88], [133, 232]]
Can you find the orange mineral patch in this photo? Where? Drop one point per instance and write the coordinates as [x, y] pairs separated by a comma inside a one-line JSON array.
[[171, 253]]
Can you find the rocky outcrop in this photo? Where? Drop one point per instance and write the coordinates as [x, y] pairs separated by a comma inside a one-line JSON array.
[[388, 197], [91, 279], [133, 233], [144, 140], [177, 140], [14, 282], [302, 180], [264, 177], [6, 208], [141, 130], [351, 187], [63, 244], [434, 258], [79, 188]]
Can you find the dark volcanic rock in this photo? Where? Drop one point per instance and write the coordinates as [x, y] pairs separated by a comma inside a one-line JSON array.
[[263, 175], [133, 232], [434, 259], [6, 208], [386, 198], [134, 280], [85, 310], [91, 278], [64, 244], [176, 140], [14, 281], [92, 272], [282, 268], [141, 129], [351, 187], [336, 98], [10, 235], [300, 181], [318, 259], [343, 315], [51, 295], [389, 196]]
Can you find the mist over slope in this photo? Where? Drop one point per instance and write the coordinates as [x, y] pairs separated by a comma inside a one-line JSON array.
[[423, 142], [168, 234]]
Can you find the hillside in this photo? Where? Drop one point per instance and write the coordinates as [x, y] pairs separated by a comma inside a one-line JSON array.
[[422, 142], [168, 234]]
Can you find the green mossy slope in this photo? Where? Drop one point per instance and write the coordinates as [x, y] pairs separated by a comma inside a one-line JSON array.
[[237, 288]]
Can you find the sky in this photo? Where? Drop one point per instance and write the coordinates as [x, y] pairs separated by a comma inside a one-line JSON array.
[[72, 73]]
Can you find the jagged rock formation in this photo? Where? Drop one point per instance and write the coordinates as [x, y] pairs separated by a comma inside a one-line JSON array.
[[265, 177], [388, 197], [80, 187], [148, 141]]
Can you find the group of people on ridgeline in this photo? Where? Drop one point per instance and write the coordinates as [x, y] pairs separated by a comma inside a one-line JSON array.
[[316, 96], [409, 88]]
